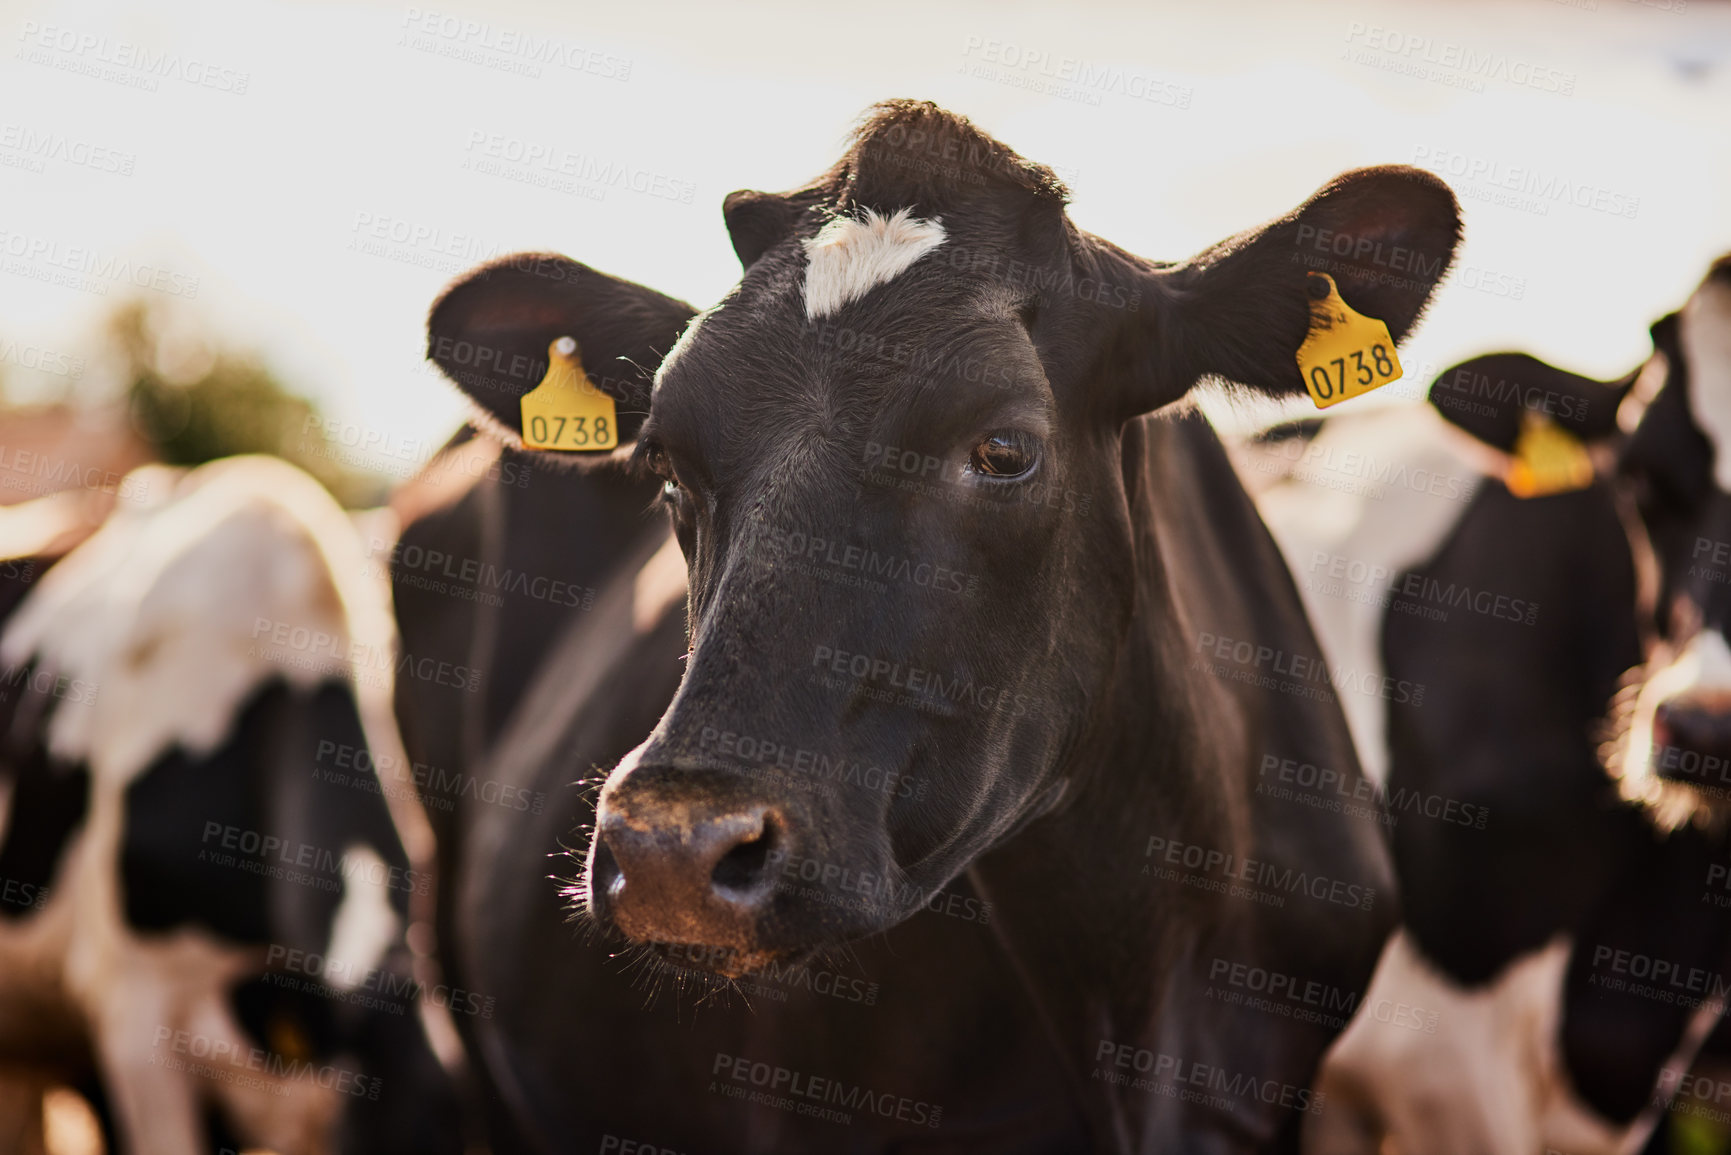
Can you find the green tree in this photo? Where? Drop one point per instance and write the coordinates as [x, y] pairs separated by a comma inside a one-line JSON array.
[[213, 402]]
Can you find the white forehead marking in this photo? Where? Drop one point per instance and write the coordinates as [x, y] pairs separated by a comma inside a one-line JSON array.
[[848, 257], [1705, 334]]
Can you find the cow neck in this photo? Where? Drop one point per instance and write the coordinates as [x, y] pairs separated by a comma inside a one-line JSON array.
[[1090, 940], [1140, 764]]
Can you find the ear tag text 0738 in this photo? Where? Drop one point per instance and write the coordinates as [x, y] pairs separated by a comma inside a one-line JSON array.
[[1346, 354], [566, 411]]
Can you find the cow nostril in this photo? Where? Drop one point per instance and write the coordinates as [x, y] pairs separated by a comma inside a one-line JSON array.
[[742, 868]]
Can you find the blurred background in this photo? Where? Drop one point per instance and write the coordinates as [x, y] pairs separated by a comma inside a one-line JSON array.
[[223, 223]]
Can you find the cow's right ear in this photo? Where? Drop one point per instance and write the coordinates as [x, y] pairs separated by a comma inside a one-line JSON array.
[[490, 333]]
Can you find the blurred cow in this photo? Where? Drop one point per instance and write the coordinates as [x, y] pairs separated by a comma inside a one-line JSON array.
[[1528, 885], [202, 889]]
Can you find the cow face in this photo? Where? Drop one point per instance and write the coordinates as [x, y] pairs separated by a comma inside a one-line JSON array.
[[892, 458], [1674, 750]]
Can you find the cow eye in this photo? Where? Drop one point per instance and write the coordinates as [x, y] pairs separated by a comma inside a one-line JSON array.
[[655, 458], [1007, 454]]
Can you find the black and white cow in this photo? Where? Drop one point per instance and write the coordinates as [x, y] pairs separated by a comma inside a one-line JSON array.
[[1527, 884], [973, 846], [204, 890], [1678, 464]]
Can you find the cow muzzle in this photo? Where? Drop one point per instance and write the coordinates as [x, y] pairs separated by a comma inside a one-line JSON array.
[[677, 865]]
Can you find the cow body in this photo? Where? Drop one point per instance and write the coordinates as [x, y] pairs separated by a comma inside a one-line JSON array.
[[1504, 828], [1076, 860], [500, 618], [994, 1079], [218, 891]]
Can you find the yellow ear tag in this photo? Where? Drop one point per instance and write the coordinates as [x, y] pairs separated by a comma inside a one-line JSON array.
[[1346, 354], [566, 411], [1547, 460]]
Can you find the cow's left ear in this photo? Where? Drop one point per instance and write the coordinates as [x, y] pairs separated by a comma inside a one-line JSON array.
[[1239, 310], [492, 332]]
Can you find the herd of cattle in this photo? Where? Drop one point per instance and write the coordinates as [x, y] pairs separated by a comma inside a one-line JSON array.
[[920, 733]]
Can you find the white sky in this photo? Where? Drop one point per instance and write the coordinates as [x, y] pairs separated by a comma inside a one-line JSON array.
[[259, 194]]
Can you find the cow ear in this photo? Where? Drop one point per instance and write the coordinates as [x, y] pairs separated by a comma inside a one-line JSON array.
[[1667, 453], [1239, 310], [1489, 397], [757, 220], [491, 332]]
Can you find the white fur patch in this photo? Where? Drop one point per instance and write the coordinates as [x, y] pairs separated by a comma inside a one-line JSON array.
[[1705, 334], [1356, 512], [848, 258], [364, 925], [1427, 1067], [168, 617]]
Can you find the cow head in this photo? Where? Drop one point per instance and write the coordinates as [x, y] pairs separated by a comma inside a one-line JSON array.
[[1673, 749], [892, 458]]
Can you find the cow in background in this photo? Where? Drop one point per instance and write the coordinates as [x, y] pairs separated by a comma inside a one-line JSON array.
[[1424, 548], [204, 888]]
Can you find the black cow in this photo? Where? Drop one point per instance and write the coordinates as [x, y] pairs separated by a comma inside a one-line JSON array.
[[1528, 885], [204, 892], [971, 845], [480, 585]]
